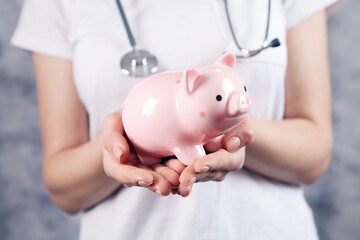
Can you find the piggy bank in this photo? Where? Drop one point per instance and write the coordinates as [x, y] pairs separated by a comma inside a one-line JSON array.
[[177, 113]]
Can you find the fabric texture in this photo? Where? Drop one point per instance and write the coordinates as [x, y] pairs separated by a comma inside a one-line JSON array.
[[298, 10], [42, 28], [181, 34]]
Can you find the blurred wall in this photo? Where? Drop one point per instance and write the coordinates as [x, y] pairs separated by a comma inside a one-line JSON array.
[[26, 211]]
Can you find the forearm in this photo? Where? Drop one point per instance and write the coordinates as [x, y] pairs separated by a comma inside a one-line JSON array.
[[72, 167], [75, 176], [298, 149], [293, 150]]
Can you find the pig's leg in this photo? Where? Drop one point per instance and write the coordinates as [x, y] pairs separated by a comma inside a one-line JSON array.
[[214, 144], [188, 154], [146, 158]]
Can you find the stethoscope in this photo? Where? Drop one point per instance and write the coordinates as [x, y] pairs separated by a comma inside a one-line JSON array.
[[141, 63]]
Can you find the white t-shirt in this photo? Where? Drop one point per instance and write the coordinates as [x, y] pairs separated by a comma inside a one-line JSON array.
[[181, 34]]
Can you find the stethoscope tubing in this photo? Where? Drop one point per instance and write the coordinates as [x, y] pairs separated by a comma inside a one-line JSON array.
[[126, 25], [246, 53], [140, 63]]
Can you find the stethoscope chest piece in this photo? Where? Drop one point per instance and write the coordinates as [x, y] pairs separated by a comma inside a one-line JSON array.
[[138, 63]]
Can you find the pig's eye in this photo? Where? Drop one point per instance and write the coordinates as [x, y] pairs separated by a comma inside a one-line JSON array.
[[245, 88], [218, 98]]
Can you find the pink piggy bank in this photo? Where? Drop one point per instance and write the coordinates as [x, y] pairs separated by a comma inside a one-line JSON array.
[[176, 113]]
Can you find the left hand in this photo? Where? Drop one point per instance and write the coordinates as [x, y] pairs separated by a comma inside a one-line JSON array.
[[212, 167], [215, 166]]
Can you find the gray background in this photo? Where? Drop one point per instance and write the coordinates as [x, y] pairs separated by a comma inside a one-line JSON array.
[[26, 211]]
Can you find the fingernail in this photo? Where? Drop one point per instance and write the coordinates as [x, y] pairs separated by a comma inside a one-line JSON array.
[[159, 193], [188, 193], [203, 169], [143, 183], [118, 151], [233, 144], [193, 179]]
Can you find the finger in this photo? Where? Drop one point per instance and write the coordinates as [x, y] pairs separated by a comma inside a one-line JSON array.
[[114, 122], [160, 185], [187, 179], [168, 173], [175, 164], [133, 159], [128, 174], [220, 160], [217, 176], [184, 191], [113, 140], [188, 176], [186, 188], [214, 144], [240, 136]]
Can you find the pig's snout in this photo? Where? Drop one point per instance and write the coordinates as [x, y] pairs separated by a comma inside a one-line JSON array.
[[238, 104]]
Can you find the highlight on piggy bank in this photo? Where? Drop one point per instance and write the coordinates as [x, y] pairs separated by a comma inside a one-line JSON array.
[[177, 113]]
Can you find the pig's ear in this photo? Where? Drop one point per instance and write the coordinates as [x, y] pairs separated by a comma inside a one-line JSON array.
[[228, 59], [190, 79]]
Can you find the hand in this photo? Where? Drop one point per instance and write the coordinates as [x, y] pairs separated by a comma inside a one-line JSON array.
[[240, 136], [215, 166], [212, 167], [123, 165]]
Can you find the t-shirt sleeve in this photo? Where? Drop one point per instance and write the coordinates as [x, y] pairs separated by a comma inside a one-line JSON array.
[[43, 28], [298, 10]]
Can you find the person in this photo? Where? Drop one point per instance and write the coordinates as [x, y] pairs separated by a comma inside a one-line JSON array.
[[88, 166]]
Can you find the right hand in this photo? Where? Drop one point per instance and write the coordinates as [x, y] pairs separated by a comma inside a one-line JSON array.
[[123, 165]]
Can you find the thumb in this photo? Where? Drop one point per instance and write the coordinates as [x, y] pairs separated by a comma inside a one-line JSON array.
[[114, 141], [240, 136]]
